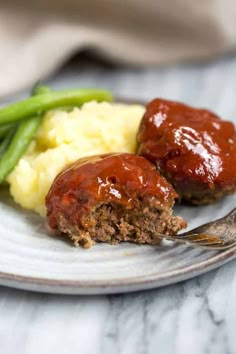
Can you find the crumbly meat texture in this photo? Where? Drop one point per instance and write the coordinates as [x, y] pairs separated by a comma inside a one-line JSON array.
[[112, 198], [113, 224]]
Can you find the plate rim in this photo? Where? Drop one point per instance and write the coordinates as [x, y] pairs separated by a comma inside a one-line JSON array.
[[139, 282]]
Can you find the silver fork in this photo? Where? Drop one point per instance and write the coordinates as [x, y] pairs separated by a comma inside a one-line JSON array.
[[218, 235]]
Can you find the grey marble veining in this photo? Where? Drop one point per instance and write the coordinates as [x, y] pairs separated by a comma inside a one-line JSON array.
[[197, 316]]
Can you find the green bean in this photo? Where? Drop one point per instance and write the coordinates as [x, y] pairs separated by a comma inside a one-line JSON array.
[[41, 103], [4, 129], [18, 145], [6, 141], [39, 90], [16, 142]]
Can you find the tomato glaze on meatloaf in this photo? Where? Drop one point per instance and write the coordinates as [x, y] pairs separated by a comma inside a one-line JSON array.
[[112, 198], [193, 148]]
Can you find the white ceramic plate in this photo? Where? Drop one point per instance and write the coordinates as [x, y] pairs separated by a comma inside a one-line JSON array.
[[30, 259]]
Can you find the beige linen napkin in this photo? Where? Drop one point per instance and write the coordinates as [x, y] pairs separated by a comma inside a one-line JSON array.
[[36, 37]]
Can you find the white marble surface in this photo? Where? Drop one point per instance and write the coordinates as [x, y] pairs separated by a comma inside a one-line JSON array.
[[197, 316]]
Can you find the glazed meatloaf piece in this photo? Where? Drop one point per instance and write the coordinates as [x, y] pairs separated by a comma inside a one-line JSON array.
[[193, 148], [112, 198]]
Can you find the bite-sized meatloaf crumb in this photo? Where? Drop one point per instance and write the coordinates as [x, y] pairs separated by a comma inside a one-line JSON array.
[[112, 198], [193, 148]]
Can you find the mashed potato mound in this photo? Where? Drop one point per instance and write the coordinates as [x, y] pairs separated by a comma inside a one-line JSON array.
[[64, 137]]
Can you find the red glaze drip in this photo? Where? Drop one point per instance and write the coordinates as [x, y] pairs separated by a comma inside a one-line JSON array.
[[188, 144], [119, 178]]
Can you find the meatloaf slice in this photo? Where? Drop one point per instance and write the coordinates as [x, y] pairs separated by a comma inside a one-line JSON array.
[[112, 198], [193, 148]]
